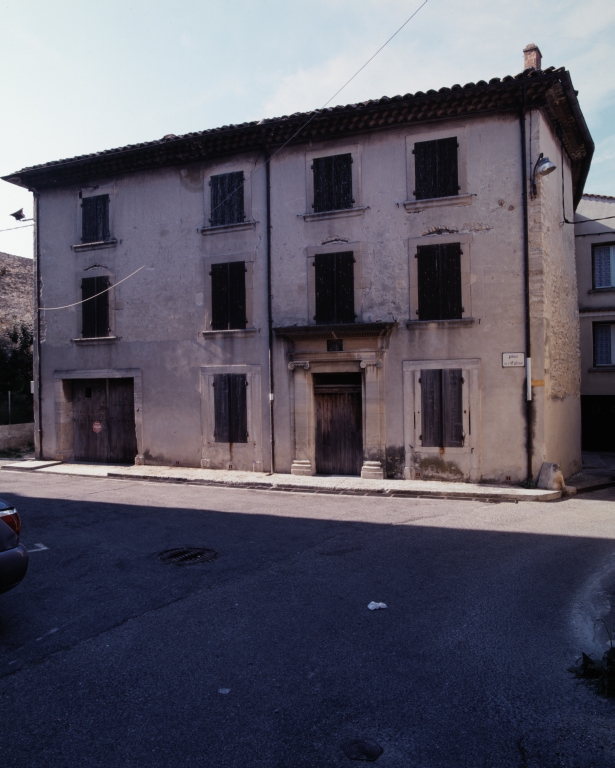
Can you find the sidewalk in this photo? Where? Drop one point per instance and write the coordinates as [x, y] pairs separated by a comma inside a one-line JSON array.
[[319, 484]]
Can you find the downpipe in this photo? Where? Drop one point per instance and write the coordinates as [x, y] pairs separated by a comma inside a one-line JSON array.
[[529, 409]]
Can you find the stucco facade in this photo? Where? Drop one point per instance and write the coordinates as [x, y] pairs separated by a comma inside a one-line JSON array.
[[160, 319]]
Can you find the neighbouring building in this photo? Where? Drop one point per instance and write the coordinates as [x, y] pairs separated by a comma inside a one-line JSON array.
[[348, 291], [595, 247], [16, 291]]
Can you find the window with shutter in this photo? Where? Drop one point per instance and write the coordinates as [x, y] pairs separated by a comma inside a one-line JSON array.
[[332, 183], [442, 408], [228, 296], [95, 307], [230, 408], [334, 281], [604, 344], [436, 168], [439, 282], [227, 206], [95, 219], [604, 266]]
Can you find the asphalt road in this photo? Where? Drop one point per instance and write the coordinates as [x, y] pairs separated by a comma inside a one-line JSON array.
[[268, 655]]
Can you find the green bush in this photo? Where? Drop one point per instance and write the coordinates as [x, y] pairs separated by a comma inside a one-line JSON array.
[[16, 373]]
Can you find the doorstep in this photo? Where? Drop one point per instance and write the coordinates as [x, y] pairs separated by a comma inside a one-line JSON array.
[[345, 485]]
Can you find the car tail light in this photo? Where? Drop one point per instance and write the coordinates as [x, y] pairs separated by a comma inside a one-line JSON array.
[[11, 518]]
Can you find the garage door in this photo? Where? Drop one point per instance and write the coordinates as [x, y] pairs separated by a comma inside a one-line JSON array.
[[104, 420]]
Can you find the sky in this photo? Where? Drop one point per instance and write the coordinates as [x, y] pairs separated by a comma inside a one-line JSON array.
[[81, 76]]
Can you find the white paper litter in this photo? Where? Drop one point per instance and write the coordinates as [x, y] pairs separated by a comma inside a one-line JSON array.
[[224, 690], [375, 606]]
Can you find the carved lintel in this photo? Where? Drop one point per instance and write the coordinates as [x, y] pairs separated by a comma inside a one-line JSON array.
[[298, 364], [375, 363]]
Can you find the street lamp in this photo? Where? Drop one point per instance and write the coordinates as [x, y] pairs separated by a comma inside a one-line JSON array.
[[543, 167]]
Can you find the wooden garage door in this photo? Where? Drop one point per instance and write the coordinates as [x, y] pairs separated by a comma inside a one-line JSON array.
[[339, 434], [104, 420]]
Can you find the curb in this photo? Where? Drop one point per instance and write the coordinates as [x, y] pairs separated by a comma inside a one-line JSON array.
[[383, 493]]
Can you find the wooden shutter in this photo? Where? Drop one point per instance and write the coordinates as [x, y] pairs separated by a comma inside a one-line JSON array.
[[452, 408], [95, 311], [448, 176], [95, 219], [227, 199], [332, 182], [219, 297], [431, 404], [237, 294], [323, 184], [221, 407], [325, 288], [450, 281], [344, 287], [238, 412], [429, 282], [342, 181], [425, 170], [436, 168], [230, 408], [88, 308]]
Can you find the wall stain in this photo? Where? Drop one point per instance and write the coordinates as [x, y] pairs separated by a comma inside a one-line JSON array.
[[395, 462]]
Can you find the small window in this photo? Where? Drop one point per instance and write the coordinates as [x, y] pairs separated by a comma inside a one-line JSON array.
[[332, 183], [442, 408], [95, 307], [230, 405], [604, 266], [227, 205], [228, 296], [436, 168], [334, 288], [604, 344], [95, 219], [439, 282]]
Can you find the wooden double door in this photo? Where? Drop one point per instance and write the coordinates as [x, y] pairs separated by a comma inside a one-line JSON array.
[[104, 420], [339, 420]]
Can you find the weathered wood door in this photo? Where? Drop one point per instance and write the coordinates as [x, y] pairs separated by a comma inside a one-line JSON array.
[[104, 420], [339, 434]]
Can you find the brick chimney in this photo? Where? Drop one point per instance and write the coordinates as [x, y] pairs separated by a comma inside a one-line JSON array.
[[532, 58]]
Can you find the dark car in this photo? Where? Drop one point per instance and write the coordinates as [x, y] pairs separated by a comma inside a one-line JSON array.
[[13, 555]]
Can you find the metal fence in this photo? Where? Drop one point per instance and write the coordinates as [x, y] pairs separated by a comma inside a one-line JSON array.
[[16, 408]]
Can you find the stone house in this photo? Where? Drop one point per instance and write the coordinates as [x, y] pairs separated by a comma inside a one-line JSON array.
[[351, 291], [595, 249]]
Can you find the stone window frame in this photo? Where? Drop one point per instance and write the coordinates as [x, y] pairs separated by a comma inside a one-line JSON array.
[[94, 191], [357, 249], [464, 197], [95, 270], [230, 166], [467, 278], [249, 257], [358, 209], [412, 405], [63, 406], [253, 406]]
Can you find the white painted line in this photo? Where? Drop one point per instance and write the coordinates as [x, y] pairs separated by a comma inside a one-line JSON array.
[[38, 548], [51, 632]]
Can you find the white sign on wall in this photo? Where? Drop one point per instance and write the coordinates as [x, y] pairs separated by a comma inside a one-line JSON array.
[[513, 360]]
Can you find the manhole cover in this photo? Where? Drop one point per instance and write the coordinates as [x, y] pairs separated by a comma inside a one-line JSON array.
[[187, 555], [362, 750]]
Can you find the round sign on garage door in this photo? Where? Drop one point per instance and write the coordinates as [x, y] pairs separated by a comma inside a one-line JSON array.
[[97, 426]]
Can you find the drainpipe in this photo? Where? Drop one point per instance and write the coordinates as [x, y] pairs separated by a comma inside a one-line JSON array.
[[37, 326], [526, 269], [269, 310]]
